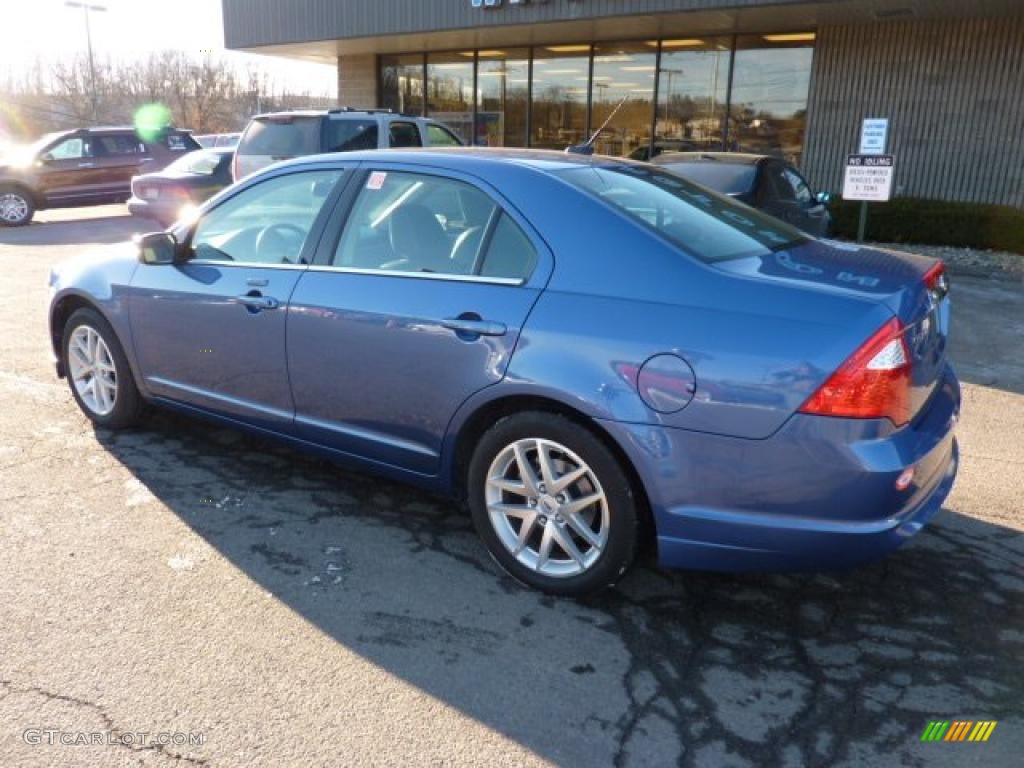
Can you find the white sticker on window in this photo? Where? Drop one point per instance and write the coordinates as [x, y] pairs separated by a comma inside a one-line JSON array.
[[376, 180]]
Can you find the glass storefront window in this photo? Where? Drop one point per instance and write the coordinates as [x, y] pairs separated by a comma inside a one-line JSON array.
[[401, 83], [560, 79], [502, 92], [623, 84], [450, 91], [692, 94], [770, 82]]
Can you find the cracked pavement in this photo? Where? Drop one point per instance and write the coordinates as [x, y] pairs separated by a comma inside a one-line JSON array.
[[189, 578]]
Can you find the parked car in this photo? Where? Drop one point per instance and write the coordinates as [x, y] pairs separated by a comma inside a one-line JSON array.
[[594, 351], [88, 166], [286, 135], [661, 146], [213, 140], [188, 181], [764, 182]]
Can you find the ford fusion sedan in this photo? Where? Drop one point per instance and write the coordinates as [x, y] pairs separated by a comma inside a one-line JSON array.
[[595, 353], [766, 183]]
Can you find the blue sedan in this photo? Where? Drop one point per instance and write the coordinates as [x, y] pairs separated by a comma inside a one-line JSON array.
[[595, 353]]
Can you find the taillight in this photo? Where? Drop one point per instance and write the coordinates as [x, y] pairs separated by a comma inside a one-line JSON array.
[[936, 281], [873, 383]]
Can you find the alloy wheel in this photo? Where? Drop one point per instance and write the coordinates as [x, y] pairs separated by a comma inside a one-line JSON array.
[[13, 207], [92, 370], [547, 507]]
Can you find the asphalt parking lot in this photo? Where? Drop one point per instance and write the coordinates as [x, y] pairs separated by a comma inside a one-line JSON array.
[[188, 579]]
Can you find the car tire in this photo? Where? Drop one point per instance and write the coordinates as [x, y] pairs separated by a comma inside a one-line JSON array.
[[514, 512], [98, 373], [16, 206]]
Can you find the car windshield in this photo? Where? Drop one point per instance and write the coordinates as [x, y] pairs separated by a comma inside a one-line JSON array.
[[705, 224], [199, 163], [727, 178], [282, 136]]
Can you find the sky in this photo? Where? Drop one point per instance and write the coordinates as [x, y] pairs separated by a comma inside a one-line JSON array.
[[131, 29]]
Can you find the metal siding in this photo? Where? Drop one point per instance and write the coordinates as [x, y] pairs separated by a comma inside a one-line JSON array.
[[268, 22], [953, 91]]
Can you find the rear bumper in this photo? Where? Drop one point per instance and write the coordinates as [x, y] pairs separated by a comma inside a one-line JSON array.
[[819, 494], [154, 209]]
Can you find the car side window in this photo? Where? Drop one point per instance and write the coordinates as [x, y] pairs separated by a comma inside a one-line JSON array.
[[350, 135], [404, 135], [801, 191], [120, 144], [510, 254], [267, 223], [438, 136], [412, 222], [71, 149]]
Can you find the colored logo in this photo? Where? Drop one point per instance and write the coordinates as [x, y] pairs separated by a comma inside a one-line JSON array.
[[958, 730]]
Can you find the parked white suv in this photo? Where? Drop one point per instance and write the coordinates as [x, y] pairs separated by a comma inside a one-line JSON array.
[[283, 135]]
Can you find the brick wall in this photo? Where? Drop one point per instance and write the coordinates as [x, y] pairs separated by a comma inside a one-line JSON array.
[[357, 80]]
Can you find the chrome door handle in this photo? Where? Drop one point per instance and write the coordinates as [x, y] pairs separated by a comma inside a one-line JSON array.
[[474, 327], [258, 302], [87, 165]]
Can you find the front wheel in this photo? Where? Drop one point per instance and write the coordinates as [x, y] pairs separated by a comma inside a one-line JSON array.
[[552, 504], [98, 372]]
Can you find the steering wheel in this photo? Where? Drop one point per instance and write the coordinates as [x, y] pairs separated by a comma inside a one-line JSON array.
[[273, 237]]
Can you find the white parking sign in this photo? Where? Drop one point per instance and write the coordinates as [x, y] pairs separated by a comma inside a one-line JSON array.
[[868, 177]]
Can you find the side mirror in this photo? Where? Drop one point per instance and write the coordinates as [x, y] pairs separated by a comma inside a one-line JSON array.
[[157, 248], [823, 197], [45, 159]]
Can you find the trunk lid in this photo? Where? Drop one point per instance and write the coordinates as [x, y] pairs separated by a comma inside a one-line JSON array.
[[893, 278]]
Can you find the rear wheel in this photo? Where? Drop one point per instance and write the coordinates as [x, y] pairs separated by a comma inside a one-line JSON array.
[[98, 373], [16, 206], [552, 504]]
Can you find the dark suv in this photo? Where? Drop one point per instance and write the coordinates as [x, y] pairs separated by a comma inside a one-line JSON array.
[[284, 135], [88, 166]]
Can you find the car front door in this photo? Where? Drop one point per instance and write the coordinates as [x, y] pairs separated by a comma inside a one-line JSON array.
[[413, 304], [209, 331], [68, 170]]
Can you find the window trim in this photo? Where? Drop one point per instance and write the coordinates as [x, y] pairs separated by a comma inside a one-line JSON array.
[[330, 239]]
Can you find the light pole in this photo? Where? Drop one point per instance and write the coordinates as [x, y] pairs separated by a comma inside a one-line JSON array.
[[86, 8]]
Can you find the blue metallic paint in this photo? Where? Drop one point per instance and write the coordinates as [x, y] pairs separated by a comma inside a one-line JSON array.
[[360, 367]]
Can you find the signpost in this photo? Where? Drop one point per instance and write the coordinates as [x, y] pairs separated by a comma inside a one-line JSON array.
[[869, 173]]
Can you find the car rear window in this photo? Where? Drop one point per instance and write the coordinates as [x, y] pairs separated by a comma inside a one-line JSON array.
[[350, 135], [727, 178], [201, 163], [707, 225], [181, 142], [281, 136]]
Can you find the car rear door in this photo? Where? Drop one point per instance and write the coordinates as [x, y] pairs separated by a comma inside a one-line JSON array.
[[209, 332], [121, 157], [415, 302]]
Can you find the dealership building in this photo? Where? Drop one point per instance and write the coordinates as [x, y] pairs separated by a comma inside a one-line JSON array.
[[788, 77]]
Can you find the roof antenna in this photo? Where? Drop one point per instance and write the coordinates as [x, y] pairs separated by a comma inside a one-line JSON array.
[[587, 148]]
